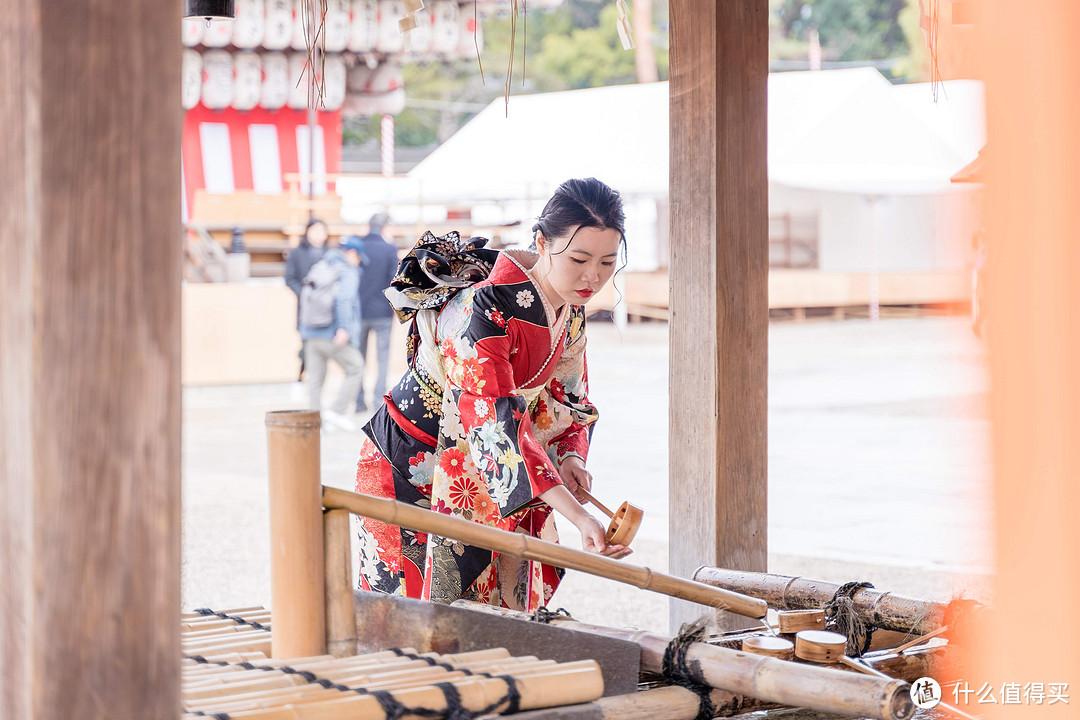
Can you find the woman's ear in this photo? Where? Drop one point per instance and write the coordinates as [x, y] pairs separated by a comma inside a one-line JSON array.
[[541, 242]]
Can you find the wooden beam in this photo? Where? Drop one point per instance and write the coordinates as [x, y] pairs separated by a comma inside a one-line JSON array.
[[89, 359], [719, 287]]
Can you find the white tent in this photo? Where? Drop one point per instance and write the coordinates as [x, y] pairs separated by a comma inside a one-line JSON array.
[[617, 134], [847, 133], [825, 129], [953, 108], [849, 130]]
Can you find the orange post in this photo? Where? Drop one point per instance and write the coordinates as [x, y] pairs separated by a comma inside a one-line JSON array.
[[1031, 62], [296, 534]]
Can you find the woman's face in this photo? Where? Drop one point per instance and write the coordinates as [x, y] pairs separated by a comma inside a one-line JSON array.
[[578, 272], [317, 234]]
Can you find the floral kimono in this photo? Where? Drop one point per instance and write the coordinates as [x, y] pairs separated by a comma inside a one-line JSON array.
[[494, 400]]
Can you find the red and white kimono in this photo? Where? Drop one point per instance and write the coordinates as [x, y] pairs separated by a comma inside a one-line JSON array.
[[494, 400]]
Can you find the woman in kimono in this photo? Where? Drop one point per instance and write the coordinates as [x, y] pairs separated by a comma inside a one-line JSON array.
[[492, 420]]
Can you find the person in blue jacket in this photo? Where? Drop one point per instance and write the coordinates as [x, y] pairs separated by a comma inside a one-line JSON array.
[[340, 339], [299, 262]]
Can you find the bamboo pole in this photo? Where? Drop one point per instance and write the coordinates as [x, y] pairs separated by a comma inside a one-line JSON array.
[[530, 548], [240, 611], [296, 534], [217, 636], [381, 659], [340, 609], [768, 679], [565, 684], [820, 688], [860, 667], [188, 665], [368, 676], [217, 623], [786, 592], [298, 691], [235, 618], [225, 634], [233, 682], [920, 640], [674, 703], [212, 622], [194, 677], [259, 646]]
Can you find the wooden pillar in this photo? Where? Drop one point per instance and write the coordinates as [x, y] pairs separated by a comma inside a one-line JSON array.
[[89, 359], [1033, 332], [719, 287]]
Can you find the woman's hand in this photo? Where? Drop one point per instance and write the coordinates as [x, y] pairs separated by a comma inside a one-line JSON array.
[[575, 477], [592, 540], [592, 532]]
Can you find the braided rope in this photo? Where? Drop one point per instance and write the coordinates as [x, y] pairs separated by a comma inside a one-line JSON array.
[[235, 618], [677, 671]]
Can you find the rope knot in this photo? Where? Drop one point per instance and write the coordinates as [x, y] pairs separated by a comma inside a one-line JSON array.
[[844, 617], [545, 616], [677, 672]]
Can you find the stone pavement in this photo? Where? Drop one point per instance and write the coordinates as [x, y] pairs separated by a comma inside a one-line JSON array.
[[878, 465]]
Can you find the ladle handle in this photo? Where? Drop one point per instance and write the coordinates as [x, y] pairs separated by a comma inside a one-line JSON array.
[[597, 503]]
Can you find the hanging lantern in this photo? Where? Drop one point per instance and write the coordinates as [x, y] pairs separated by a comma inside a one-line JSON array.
[[210, 9], [277, 32], [365, 25], [275, 85]]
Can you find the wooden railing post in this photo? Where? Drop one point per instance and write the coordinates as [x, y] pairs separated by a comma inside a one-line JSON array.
[[297, 582], [340, 608]]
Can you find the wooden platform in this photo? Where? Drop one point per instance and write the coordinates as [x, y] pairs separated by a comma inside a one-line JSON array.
[[246, 333], [647, 293]]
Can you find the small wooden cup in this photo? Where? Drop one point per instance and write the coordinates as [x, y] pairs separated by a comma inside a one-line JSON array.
[[794, 621], [820, 646], [769, 645], [624, 525], [625, 521]]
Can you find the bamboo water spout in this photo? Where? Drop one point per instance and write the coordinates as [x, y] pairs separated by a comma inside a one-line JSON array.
[[530, 548], [785, 592]]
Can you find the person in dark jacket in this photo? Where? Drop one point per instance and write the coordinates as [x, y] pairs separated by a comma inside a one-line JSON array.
[[381, 260], [311, 249]]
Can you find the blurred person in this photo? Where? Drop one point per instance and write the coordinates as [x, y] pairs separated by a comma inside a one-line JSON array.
[[492, 421], [298, 264], [381, 265], [330, 328]]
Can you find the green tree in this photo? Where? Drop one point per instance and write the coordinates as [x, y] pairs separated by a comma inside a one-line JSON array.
[[592, 57], [574, 45], [849, 30], [913, 68]]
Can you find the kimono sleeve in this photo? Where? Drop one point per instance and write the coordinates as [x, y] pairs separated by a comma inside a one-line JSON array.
[[566, 409], [494, 417]]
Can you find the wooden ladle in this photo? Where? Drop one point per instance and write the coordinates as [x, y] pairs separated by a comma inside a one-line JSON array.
[[624, 522]]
